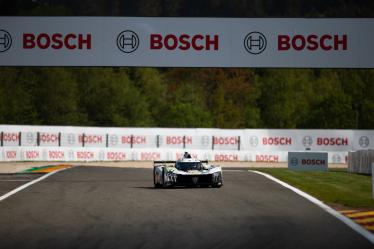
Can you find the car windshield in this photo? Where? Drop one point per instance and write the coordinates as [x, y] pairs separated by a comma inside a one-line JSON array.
[[184, 166]]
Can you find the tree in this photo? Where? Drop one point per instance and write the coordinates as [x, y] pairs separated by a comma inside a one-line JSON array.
[[16, 105], [152, 87], [109, 98]]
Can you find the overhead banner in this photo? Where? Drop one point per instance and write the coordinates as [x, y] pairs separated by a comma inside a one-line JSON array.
[[186, 42]]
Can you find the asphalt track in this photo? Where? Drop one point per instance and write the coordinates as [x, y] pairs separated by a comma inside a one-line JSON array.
[[97, 207]]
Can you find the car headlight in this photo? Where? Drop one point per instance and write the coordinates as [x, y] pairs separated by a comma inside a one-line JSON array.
[[216, 176], [171, 176]]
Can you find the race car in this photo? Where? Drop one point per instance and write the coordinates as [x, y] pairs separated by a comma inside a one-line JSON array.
[[186, 171]]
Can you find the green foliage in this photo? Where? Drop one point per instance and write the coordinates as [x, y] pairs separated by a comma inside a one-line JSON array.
[[333, 187], [222, 98]]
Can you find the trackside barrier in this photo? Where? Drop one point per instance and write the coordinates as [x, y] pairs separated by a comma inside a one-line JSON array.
[[372, 178], [360, 161], [138, 154], [266, 145]]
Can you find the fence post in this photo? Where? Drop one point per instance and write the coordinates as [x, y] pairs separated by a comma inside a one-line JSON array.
[[212, 142], [83, 140], [20, 138], [59, 139], [238, 142], [38, 138], [2, 139]]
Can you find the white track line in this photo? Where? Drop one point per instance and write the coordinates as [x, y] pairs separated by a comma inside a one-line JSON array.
[[368, 235], [3, 197]]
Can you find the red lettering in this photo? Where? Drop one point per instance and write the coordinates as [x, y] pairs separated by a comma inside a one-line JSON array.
[[116, 156], [225, 157], [185, 45], [174, 140], [32, 154], [298, 42], [43, 41], [283, 42], [11, 154], [84, 41], [91, 139], [184, 42], [312, 42], [67, 39], [28, 41], [56, 155], [150, 156], [214, 42], [85, 155], [277, 141], [57, 41], [187, 140], [11, 137], [226, 140], [267, 158], [323, 42], [156, 41], [194, 42], [313, 162], [340, 41], [325, 141], [48, 138], [174, 41], [135, 139]]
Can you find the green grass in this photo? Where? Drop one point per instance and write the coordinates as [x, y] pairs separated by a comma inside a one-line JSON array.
[[336, 187]]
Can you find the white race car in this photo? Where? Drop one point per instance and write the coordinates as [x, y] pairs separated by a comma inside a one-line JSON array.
[[186, 171]]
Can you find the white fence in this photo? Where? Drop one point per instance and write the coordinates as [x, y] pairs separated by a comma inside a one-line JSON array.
[[360, 161], [50, 143]]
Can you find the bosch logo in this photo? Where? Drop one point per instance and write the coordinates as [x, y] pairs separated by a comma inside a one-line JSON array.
[[253, 141], [364, 141], [313, 42], [255, 43], [102, 155], [205, 141], [113, 139], [71, 155], [30, 138], [184, 42], [336, 158], [5, 40], [294, 161], [134, 156], [307, 141], [71, 138], [128, 41]]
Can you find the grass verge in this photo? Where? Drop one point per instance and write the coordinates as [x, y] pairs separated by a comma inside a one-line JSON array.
[[336, 188]]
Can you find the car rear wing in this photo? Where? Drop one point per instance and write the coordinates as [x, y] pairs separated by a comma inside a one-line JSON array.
[[155, 163]]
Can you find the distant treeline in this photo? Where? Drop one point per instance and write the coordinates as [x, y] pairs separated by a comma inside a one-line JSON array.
[[223, 98]]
